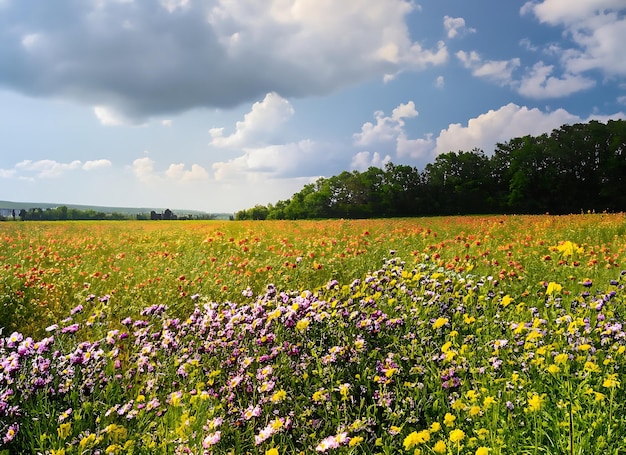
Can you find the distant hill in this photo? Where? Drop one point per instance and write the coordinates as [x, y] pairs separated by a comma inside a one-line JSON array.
[[9, 205]]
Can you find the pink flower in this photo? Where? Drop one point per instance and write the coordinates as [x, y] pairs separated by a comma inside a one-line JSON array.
[[211, 439]]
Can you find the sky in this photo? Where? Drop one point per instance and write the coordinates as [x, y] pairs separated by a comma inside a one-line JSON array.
[[219, 105]]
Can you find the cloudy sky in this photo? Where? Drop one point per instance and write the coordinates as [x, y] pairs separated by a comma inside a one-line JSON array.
[[219, 105]]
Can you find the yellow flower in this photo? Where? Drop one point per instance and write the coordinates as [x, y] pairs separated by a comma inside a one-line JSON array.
[[87, 441], [302, 324], [554, 369], [64, 430], [553, 288], [560, 358], [272, 451], [435, 427], [355, 441], [278, 396], [474, 411], [506, 300], [440, 322], [534, 402], [468, 320], [488, 401], [611, 381], [113, 449], [416, 438], [482, 451], [458, 405], [449, 419], [457, 435], [440, 447], [319, 395]]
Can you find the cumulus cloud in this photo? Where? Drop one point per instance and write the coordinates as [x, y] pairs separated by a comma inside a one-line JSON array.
[[364, 160], [96, 164], [597, 29], [134, 60], [389, 133], [179, 173], [499, 71], [556, 12], [386, 128], [258, 125], [503, 124], [265, 155], [539, 83], [455, 25], [144, 170], [417, 149], [295, 159]]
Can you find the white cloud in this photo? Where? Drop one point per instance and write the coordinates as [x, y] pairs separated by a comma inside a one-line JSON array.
[[178, 172], [501, 125], [166, 122], [387, 128], [440, 82], [133, 61], [363, 160], [7, 173], [96, 164], [110, 116], [417, 149], [272, 161], [499, 71], [34, 169], [389, 134], [597, 28], [538, 83], [46, 168], [258, 125], [144, 170], [557, 12], [455, 25]]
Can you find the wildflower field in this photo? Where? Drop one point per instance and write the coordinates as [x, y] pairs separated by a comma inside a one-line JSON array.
[[457, 335]]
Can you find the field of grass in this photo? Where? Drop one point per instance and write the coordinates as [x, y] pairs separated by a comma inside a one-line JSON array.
[[456, 335]]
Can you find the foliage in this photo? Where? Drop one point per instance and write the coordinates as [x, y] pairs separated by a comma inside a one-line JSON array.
[[577, 168]]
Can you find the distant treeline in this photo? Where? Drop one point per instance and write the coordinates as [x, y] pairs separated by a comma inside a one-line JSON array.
[[577, 168], [63, 213]]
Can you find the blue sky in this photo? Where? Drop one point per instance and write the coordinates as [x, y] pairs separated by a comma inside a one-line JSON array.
[[219, 105]]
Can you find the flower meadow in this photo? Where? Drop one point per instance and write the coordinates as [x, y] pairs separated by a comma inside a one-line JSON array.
[[458, 335]]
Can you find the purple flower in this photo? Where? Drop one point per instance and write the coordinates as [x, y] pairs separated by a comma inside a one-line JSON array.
[[70, 329], [77, 309], [11, 433], [14, 339]]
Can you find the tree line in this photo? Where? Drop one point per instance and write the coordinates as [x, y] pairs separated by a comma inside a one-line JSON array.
[[576, 168], [63, 213]]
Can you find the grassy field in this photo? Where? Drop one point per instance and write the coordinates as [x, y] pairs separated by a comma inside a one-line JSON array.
[[456, 335]]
